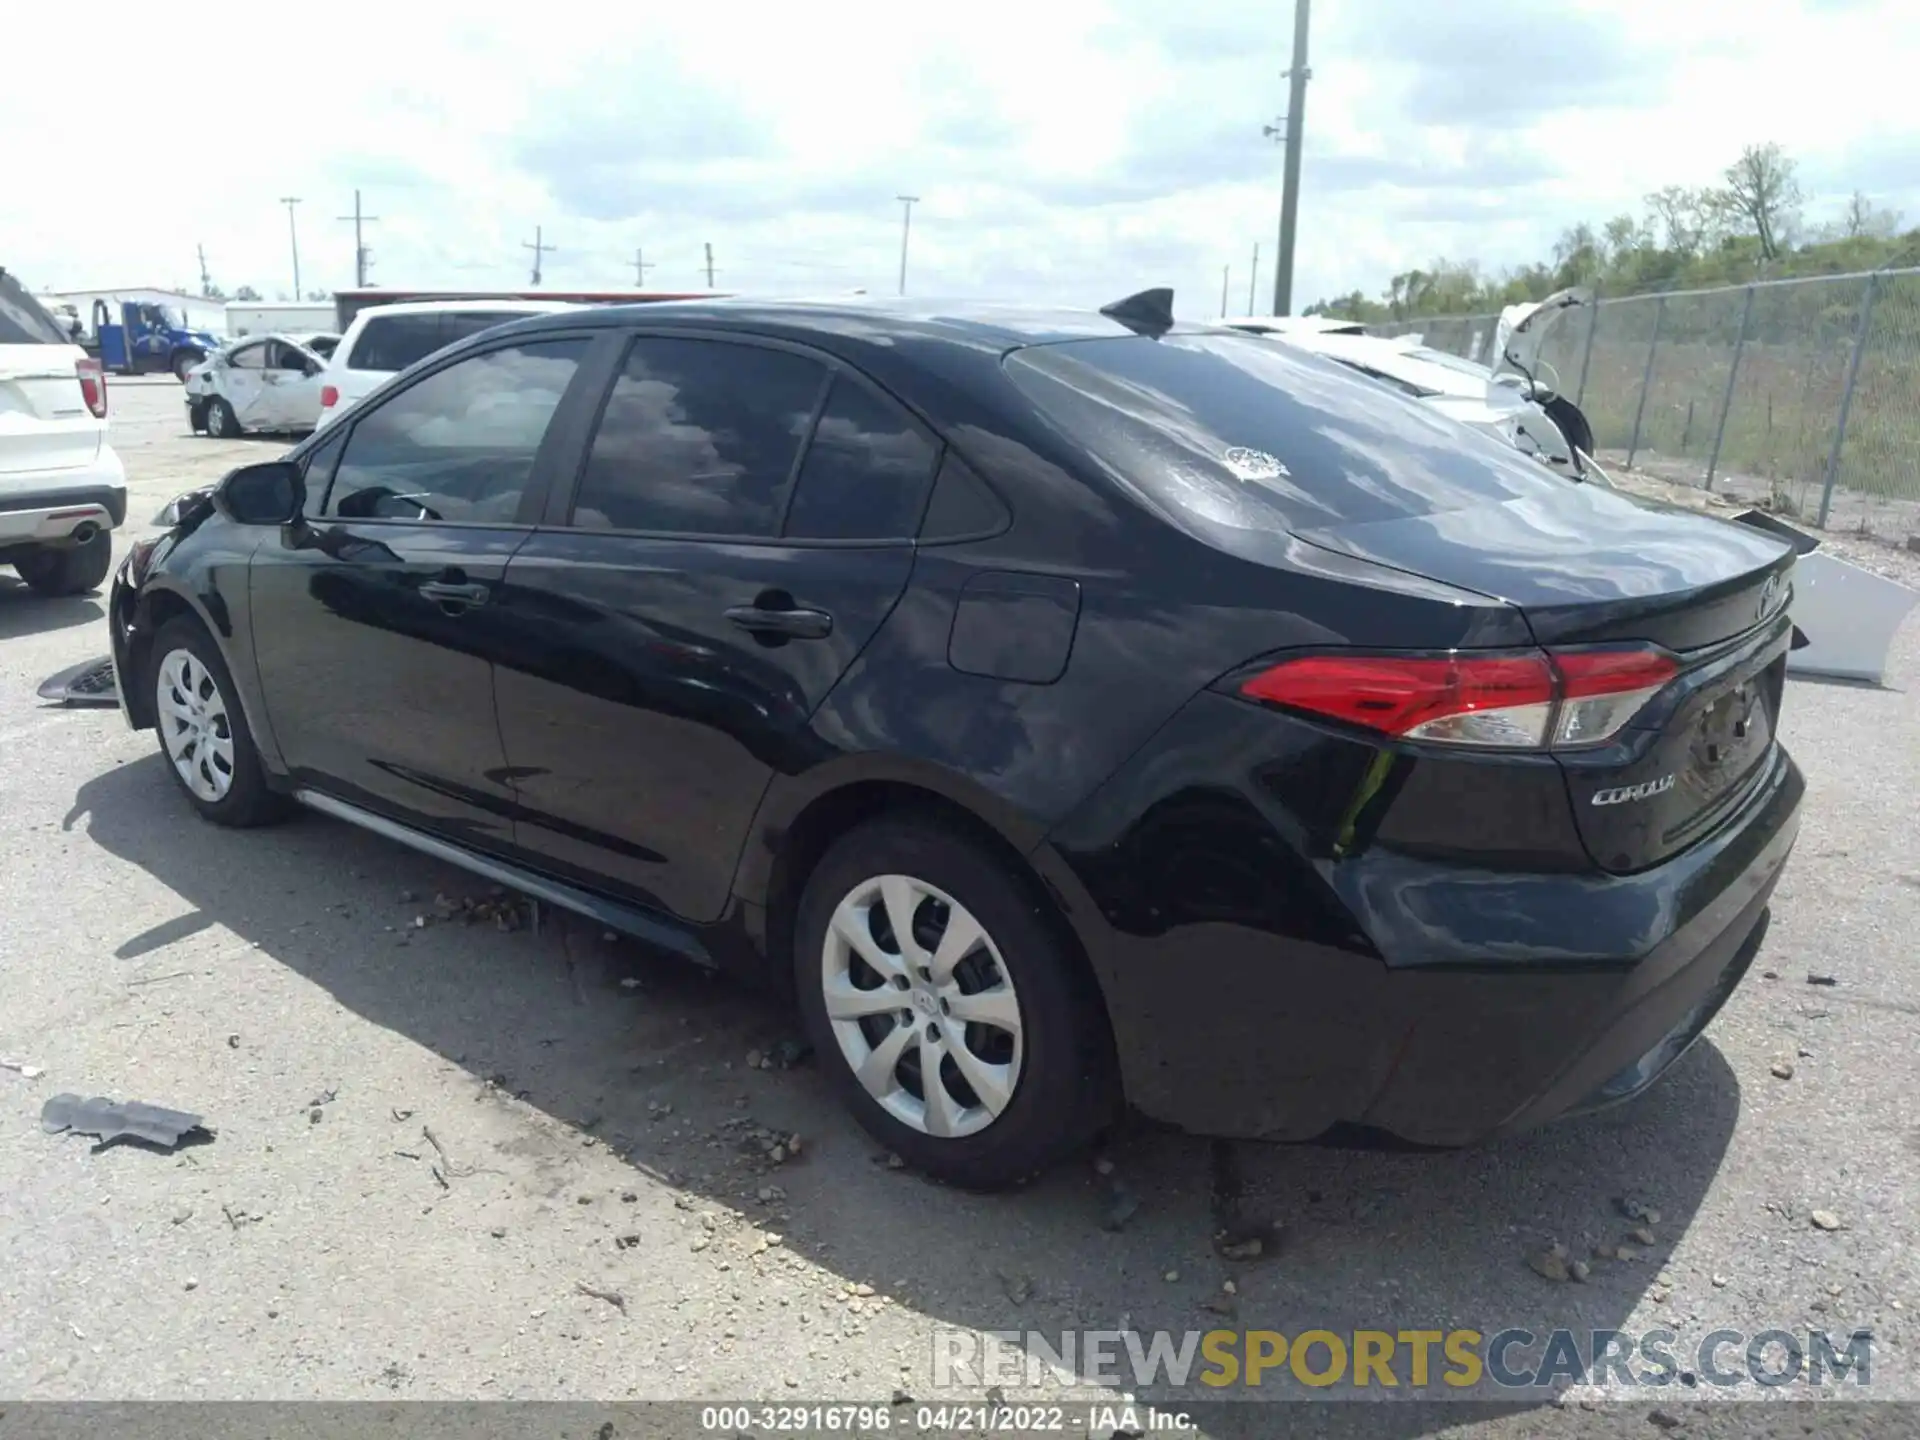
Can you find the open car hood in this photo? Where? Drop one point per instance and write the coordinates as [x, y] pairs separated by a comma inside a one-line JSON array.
[[1523, 329]]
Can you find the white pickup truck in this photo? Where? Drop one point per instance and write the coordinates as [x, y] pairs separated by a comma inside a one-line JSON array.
[[62, 487]]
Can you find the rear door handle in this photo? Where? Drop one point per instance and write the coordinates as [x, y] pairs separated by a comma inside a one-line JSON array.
[[794, 624], [446, 592]]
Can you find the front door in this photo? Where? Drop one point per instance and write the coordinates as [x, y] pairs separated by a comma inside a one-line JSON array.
[[292, 385], [714, 577], [380, 608], [243, 383]]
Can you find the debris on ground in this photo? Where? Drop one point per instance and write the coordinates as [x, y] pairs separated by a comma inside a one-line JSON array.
[[22, 1069], [611, 1297], [1642, 1236], [1813, 979], [1824, 1220], [1122, 1206], [1550, 1263], [1018, 1287], [1635, 1209], [1783, 1070], [110, 1120], [1579, 1270], [458, 1172], [1103, 1166]]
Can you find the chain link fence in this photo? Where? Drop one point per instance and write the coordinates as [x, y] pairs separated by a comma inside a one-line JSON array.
[[1803, 395]]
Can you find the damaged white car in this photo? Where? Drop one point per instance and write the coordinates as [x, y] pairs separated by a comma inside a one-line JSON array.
[[265, 383], [1514, 401]]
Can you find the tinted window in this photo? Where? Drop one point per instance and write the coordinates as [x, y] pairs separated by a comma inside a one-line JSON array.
[[393, 342], [1235, 433], [318, 474], [458, 445], [698, 437], [866, 472]]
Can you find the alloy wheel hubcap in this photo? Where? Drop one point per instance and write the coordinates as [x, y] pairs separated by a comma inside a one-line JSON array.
[[922, 1006], [194, 726]]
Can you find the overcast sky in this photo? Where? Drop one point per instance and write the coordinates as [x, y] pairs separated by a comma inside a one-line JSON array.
[[1072, 150]]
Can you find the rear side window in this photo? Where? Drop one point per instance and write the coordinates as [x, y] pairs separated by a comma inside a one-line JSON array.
[[459, 445], [867, 470], [1239, 433], [393, 342], [699, 437]]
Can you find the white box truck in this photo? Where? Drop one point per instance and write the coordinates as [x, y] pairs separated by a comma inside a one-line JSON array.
[[251, 318]]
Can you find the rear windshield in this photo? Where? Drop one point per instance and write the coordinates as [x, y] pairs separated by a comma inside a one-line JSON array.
[[23, 320], [390, 343], [1235, 431]]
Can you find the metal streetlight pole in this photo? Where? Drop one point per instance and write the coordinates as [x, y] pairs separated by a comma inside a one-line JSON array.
[[1297, 79], [907, 202], [293, 234]]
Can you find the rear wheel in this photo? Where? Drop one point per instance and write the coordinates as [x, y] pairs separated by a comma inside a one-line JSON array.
[[203, 731], [73, 570], [222, 423], [956, 1028]]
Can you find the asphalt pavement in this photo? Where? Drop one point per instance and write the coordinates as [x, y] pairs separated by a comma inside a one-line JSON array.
[[456, 1157]]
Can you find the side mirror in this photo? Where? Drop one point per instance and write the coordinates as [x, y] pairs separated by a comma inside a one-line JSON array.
[[270, 493]]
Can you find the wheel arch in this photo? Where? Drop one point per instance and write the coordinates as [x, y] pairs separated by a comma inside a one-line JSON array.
[[799, 823], [159, 605]]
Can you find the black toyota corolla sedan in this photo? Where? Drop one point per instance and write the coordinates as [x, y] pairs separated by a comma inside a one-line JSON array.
[[1071, 708]]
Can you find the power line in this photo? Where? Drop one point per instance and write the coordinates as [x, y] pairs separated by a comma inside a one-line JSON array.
[[293, 234], [540, 248], [360, 251]]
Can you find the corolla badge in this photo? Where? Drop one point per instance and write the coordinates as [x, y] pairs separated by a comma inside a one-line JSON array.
[[1645, 790], [1254, 464]]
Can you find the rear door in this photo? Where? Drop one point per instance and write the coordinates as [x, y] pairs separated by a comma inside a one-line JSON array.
[[739, 532], [375, 620], [44, 420]]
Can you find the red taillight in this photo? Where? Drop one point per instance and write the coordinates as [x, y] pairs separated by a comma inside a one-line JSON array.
[[329, 397], [93, 385], [1514, 701]]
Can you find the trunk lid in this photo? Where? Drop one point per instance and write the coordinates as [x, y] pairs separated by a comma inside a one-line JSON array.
[[44, 420], [1712, 594]]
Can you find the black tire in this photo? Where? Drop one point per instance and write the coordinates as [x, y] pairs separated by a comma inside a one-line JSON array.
[[222, 423], [1064, 1091], [70, 571], [247, 801]]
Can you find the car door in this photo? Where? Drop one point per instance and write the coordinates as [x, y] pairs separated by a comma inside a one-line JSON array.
[[373, 617], [737, 534], [293, 381], [243, 382]]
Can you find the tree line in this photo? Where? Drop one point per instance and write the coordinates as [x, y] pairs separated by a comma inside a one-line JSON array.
[[1748, 227]]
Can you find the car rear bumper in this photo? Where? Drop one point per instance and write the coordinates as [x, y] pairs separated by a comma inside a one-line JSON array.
[[1445, 1006], [48, 506]]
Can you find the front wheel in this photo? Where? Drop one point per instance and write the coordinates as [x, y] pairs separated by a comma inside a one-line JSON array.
[[70, 571], [222, 423], [956, 1027], [203, 731]]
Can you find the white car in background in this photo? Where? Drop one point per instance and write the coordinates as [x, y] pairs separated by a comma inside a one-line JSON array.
[[385, 339], [1512, 402], [62, 487], [266, 382]]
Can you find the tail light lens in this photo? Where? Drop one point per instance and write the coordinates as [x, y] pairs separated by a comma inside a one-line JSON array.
[[1524, 700], [329, 397], [93, 385]]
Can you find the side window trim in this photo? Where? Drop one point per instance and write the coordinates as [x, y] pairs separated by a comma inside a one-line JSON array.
[[566, 490], [540, 486]]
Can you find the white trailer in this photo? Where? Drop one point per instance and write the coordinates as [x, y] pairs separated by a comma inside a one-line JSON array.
[[251, 318]]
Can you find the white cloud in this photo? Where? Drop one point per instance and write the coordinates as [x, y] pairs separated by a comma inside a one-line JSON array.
[[1070, 150]]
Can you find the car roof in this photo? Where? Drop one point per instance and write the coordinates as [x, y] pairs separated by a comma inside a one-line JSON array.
[[872, 322], [491, 307]]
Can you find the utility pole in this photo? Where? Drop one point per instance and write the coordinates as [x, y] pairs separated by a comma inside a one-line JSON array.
[[539, 247], [359, 247], [293, 234], [640, 268], [709, 264], [907, 202], [1297, 78], [1225, 272], [206, 280], [1253, 277]]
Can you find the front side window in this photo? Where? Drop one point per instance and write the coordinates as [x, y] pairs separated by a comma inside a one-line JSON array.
[[249, 357], [699, 438], [458, 446]]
